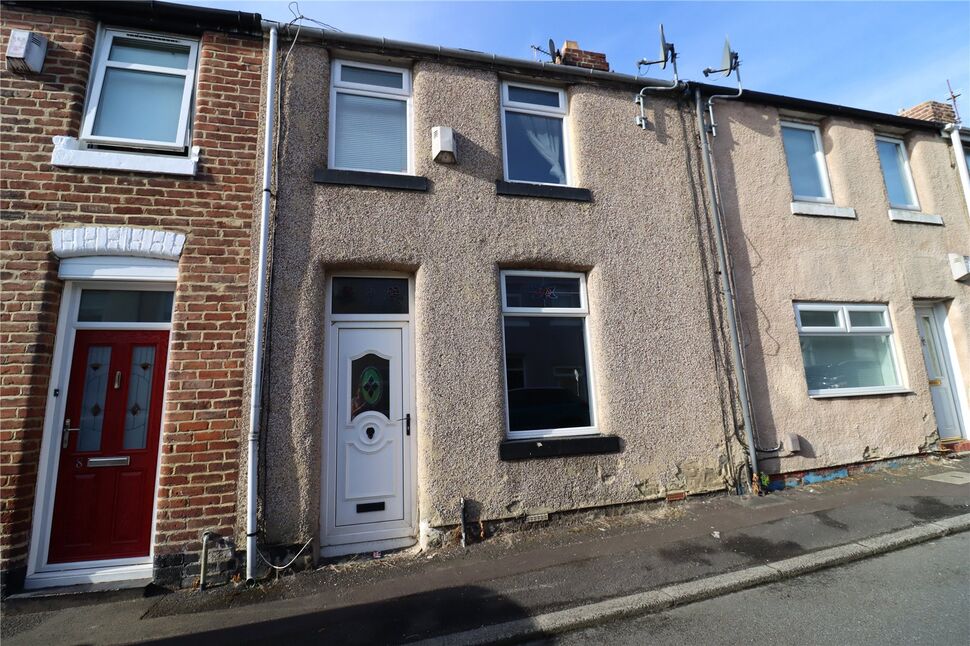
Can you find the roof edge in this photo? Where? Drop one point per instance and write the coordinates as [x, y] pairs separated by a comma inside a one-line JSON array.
[[437, 52], [163, 16]]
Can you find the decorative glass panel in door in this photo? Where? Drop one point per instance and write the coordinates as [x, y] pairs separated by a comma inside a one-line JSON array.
[[106, 465], [91, 418], [139, 396]]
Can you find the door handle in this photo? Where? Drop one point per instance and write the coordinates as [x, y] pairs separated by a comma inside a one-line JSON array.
[[407, 423], [936, 382], [117, 380], [64, 433]]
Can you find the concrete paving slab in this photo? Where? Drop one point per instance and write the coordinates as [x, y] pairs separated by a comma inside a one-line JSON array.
[[953, 477]]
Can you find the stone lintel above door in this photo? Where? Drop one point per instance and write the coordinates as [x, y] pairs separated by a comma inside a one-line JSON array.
[[74, 242]]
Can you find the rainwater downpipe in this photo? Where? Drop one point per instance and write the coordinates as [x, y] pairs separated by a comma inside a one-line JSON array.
[[953, 130], [255, 392], [722, 266]]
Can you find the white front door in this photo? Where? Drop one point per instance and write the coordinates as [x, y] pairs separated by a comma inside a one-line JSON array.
[[369, 470], [938, 371]]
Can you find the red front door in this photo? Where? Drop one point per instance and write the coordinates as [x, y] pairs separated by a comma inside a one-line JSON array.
[[109, 446]]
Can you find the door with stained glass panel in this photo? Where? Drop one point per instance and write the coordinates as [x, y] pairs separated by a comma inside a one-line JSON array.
[[109, 446]]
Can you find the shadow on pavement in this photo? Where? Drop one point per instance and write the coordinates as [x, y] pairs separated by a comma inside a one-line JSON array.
[[394, 621]]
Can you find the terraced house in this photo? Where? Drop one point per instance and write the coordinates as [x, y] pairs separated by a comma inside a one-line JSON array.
[[130, 137], [462, 291], [496, 298]]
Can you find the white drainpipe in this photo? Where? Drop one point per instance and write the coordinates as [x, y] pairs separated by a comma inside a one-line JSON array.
[[954, 131], [255, 392]]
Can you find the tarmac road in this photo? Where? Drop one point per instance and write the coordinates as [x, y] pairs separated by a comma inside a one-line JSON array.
[[919, 595]]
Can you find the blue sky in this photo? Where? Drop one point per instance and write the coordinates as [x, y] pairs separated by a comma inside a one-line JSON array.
[[876, 55]]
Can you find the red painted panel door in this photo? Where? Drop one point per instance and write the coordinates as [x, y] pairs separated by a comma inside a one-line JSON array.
[[109, 446]]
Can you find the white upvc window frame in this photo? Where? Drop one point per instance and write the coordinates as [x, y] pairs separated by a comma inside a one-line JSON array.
[[377, 91], [844, 327], [907, 174], [99, 65], [554, 312], [820, 165], [561, 112]]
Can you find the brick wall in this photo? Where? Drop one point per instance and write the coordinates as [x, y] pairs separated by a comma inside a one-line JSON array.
[[931, 111], [201, 433], [575, 57]]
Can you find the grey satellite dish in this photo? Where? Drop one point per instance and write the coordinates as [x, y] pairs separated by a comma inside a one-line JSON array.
[[552, 50], [727, 59], [664, 50]]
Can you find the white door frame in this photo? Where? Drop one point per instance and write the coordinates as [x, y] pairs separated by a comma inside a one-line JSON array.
[[335, 541], [954, 375], [41, 574]]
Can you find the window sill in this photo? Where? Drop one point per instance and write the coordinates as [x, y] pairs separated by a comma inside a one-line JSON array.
[[558, 447], [69, 153], [547, 191], [822, 210], [859, 392], [902, 215], [370, 179]]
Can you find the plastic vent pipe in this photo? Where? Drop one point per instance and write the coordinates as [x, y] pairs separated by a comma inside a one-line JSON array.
[[953, 130], [255, 391], [722, 268]]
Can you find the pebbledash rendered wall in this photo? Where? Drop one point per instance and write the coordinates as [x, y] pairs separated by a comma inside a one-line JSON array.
[[201, 429], [780, 258], [642, 241]]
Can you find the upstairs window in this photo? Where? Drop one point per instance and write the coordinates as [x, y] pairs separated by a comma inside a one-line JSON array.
[[141, 91], [370, 108], [547, 369], [896, 173], [806, 162], [534, 132], [847, 349]]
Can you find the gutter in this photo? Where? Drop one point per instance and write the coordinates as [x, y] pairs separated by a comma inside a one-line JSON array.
[[954, 132], [255, 391], [152, 14]]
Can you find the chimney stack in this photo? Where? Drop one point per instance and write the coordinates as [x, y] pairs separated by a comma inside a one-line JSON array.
[[571, 54], [931, 111]]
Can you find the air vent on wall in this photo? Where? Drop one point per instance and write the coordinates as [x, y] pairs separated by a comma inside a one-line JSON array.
[[26, 51]]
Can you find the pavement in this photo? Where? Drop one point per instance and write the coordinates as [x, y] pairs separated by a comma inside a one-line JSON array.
[[521, 579], [917, 595]]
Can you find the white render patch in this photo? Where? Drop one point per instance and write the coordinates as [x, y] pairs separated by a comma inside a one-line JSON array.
[[953, 477], [822, 210], [902, 215], [69, 153], [117, 241]]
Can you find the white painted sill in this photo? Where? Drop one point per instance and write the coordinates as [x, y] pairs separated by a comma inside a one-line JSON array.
[[904, 215], [858, 392], [822, 210], [69, 153]]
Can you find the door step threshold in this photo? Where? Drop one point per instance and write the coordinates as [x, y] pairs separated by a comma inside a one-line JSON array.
[[82, 594], [384, 545], [82, 588]]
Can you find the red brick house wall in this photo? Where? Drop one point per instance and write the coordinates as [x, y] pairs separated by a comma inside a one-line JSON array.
[[202, 431]]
